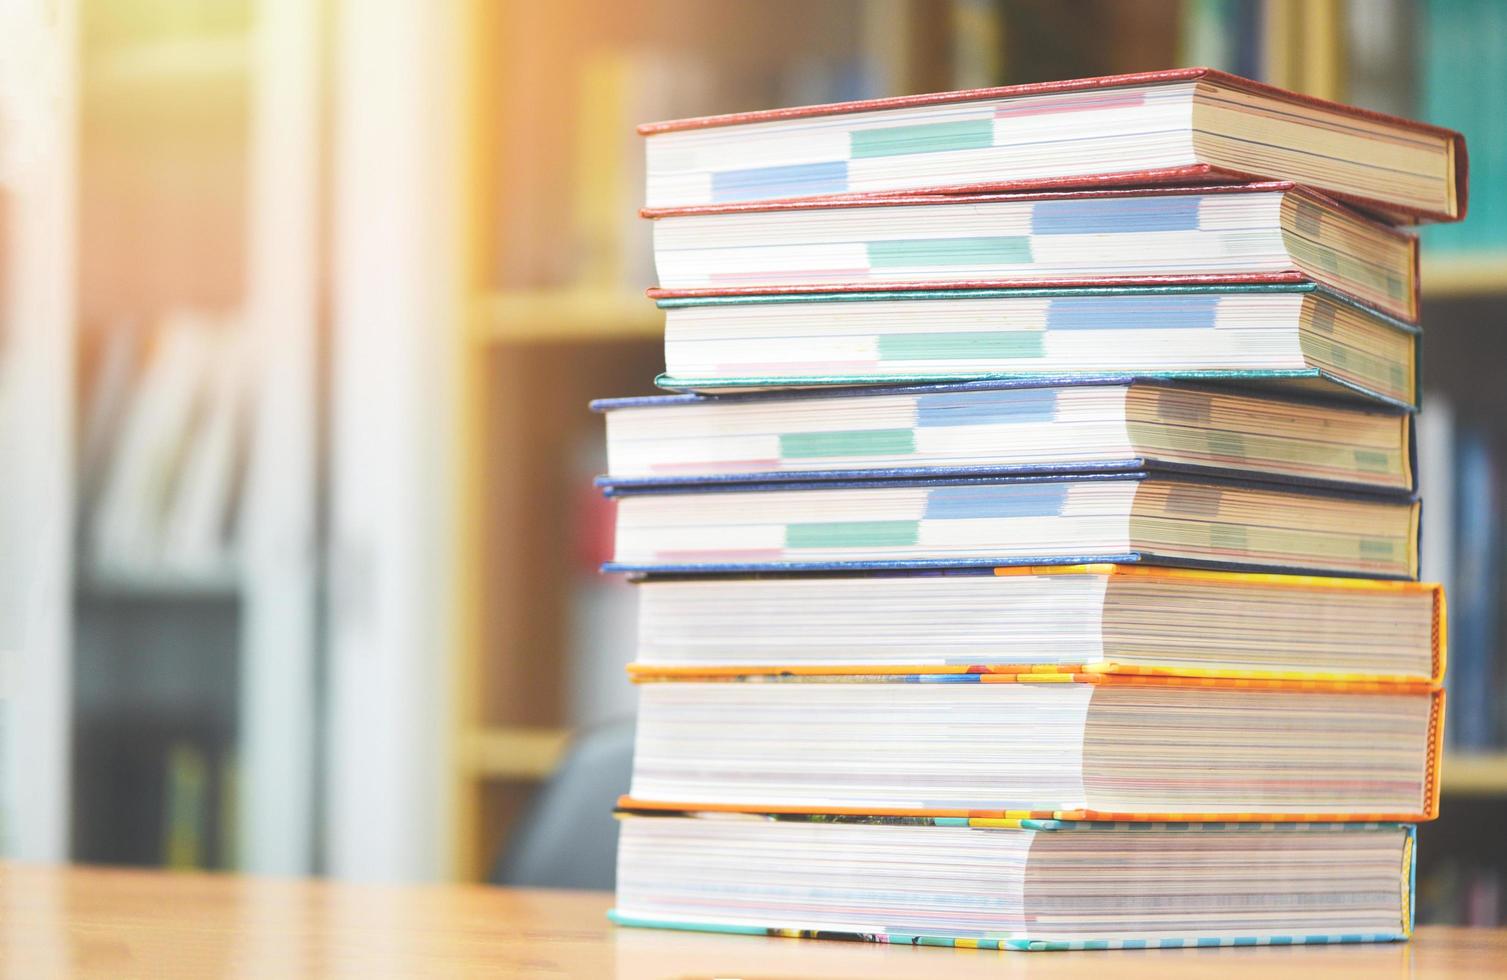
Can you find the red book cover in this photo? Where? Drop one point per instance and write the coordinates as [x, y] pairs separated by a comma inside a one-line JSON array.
[[883, 200], [1199, 173]]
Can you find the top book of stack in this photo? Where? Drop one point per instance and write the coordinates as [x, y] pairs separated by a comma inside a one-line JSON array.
[[1185, 126]]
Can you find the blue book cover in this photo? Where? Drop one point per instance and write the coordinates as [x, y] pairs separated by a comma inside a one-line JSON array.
[[874, 531], [913, 416]]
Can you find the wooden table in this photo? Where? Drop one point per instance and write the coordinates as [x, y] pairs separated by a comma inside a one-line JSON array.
[[114, 923]]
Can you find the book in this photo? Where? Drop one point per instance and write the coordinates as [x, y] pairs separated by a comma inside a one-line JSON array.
[[157, 427], [1478, 567], [200, 532], [1291, 337], [1002, 428], [1065, 746], [165, 447], [185, 806], [1265, 232], [1110, 619], [1017, 884], [113, 362], [1181, 126], [986, 522]]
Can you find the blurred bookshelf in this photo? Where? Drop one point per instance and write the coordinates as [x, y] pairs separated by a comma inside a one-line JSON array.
[[564, 314], [152, 582], [514, 753], [161, 225], [558, 264], [172, 157]]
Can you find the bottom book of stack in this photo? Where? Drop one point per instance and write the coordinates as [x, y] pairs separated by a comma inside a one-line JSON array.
[[1016, 883]]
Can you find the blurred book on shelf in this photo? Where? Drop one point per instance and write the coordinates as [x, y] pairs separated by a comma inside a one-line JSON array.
[[1476, 633], [1460, 482], [163, 447], [569, 214], [1381, 66], [612, 250], [199, 827], [199, 530], [185, 807], [109, 371], [1464, 70], [1457, 894], [1223, 34]]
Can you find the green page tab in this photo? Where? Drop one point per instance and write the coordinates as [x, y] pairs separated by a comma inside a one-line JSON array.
[[970, 134], [990, 345], [853, 534], [987, 250], [851, 442]]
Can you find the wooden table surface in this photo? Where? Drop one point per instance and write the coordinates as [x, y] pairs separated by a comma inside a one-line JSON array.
[[90, 922]]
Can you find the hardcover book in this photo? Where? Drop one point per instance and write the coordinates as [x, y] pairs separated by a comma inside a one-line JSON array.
[[1017, 884], [1111, 619], [1268, 232], [1003, 428], [1182, 126], [1287, 337], [1041, 744], [988, 522]]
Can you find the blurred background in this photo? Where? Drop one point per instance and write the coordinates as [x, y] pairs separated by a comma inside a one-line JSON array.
[[301, 304]]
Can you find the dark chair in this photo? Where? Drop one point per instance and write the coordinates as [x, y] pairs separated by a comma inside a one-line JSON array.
[[567, 837]]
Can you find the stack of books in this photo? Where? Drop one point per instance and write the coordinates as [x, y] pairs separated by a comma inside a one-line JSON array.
[[1031, 560]]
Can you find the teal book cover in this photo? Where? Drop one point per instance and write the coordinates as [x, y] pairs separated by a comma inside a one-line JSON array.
[[1035, 901], [1061, 334]]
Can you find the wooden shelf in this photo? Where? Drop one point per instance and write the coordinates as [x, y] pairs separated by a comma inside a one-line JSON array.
[[1476, 774], [1464, 275], [566, 314], [177, 61], [149, 582], [512, 753]]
